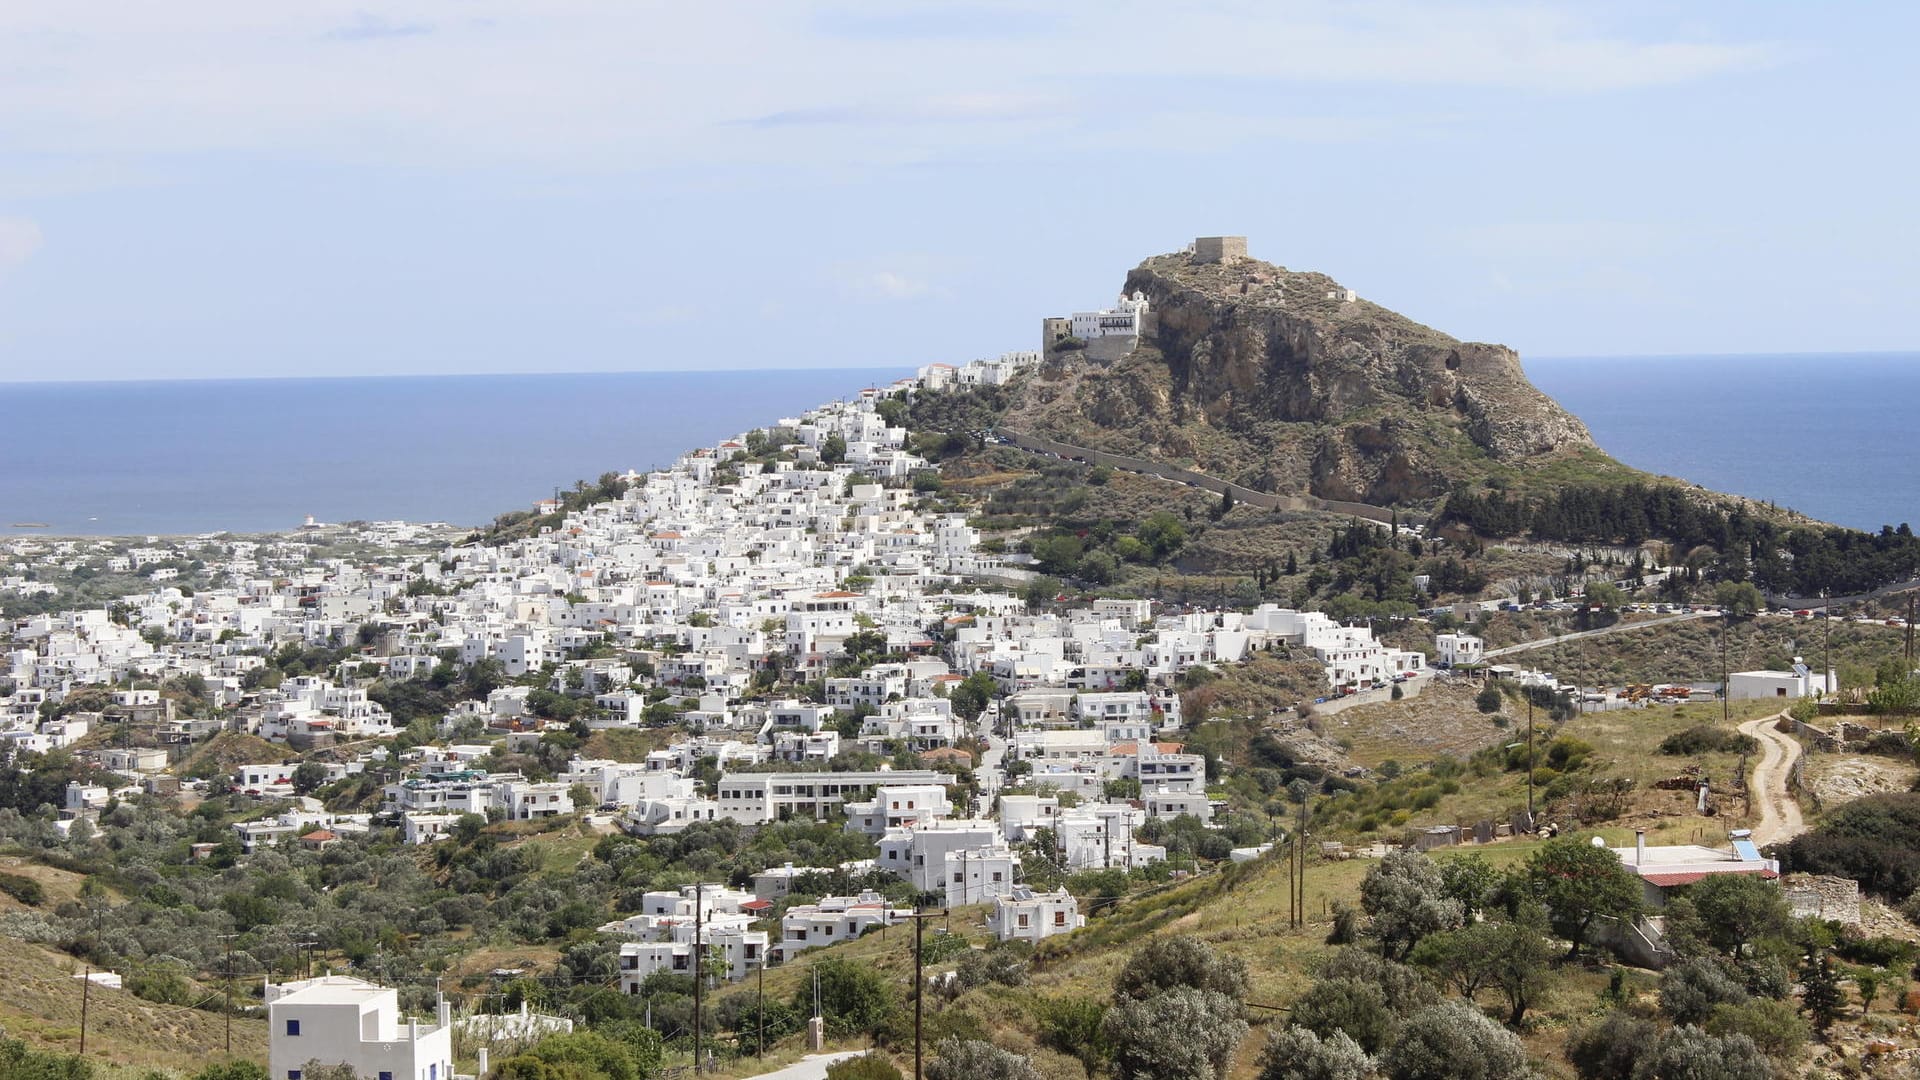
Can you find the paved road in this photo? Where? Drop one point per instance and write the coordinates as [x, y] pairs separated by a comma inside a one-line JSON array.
[[1616, 628], [1779, 812], [811, 1067]]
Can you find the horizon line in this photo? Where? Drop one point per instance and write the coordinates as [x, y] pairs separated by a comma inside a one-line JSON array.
[[1797, 354], [435, 375]]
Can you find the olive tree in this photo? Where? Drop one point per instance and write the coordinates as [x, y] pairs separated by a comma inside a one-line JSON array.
[[1454, 1041], [1169, 962], [1406, 898], [1178, 1034], [1299, 1054]]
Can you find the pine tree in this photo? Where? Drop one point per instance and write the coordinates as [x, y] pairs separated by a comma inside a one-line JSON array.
[[1820, 997]]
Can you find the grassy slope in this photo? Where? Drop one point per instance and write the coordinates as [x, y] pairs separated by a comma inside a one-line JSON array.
[[40, 1003]]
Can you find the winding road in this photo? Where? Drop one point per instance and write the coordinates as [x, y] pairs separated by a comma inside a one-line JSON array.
[[1779, 818]]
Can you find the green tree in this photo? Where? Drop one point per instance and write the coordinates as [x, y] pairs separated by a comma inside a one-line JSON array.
[[1405, 898], [307, 776], [1821, 997], [1736, 910], [854, 998], [972, 696], [1489, 698], [1579, 883], [1606, 597], [833, 451], [1738, 599]]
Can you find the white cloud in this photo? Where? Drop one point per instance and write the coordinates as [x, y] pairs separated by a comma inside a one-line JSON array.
[[887, 285], [19, 239], [589, 85]]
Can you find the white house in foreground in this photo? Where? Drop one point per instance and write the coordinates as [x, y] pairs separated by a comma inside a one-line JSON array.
[[336, 1019], [1026, 915]]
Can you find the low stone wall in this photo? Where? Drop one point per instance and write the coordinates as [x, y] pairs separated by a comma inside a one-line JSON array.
[[1818, 896]]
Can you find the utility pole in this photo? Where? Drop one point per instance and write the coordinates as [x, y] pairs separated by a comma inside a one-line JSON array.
[[1301, 890], [699, 891], [919, 981], [86, 985], [227, 1039], [760, 991], [1726, 668], [1529, 760]]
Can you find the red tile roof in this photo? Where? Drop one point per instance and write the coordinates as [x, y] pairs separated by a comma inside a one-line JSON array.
[[1668, 881]]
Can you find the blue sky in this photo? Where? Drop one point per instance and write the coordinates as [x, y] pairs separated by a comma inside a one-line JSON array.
[[229, 188]]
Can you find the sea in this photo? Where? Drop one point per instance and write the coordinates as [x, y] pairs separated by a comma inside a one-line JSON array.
[[184, 457], [1826, 435]]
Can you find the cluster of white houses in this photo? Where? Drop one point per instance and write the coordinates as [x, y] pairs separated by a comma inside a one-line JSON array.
[[662, 606]]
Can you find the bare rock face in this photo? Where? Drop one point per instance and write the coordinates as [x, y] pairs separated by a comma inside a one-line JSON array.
[[1278, 379]]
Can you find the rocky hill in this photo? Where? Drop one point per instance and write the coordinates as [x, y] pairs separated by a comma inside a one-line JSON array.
[[1285, 382]]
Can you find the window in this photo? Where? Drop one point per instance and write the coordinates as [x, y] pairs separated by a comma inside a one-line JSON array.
[[385, 1075], [1023, 922], [293, 1028], [293, 1074], [1059, 918]]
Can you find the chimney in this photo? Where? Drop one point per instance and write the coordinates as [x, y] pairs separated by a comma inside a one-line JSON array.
[[445, 1013], [1639, 847]]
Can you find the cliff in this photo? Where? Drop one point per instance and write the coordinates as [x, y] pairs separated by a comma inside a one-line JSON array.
[[1277, 379]]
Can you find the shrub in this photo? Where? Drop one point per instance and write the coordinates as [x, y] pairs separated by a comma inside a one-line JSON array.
[[1073, 1027], [1874, 840], [1169, 962], [1692, 989], [24, 889], [870, 1066], [1454, 1041], [1349, 1007], [1707, 739], [1299, 1054], [18, 1060], [233, 1070], [1611, 1047], [975, 1059], [1004, 963], [1772, 1025], [1179, 1034], [1687, 1053]]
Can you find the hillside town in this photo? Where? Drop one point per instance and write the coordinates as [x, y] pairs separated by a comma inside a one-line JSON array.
[[788, 555]]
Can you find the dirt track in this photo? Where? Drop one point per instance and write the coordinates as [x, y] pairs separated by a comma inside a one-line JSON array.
[[1779, 818]]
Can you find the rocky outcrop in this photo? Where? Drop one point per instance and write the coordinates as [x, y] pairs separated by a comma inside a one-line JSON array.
[[1282, 381]]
